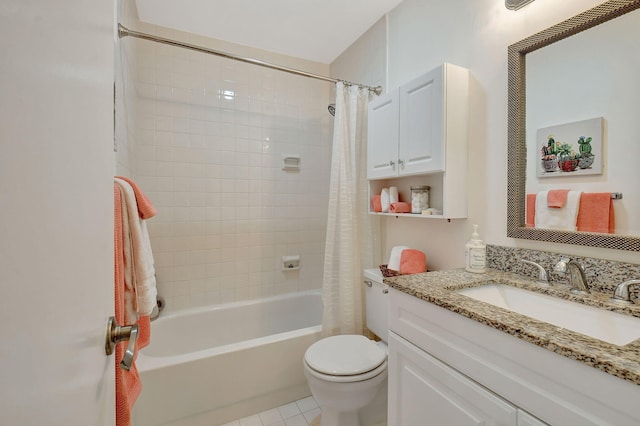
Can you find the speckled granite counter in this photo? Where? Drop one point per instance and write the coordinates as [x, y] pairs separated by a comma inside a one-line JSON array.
[[440, 287]]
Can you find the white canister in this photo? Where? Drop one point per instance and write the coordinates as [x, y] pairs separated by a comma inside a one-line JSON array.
[[385, 200], [419, 198], [393, 194]]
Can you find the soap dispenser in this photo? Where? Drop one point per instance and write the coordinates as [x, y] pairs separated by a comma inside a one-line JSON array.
[[475, 253]]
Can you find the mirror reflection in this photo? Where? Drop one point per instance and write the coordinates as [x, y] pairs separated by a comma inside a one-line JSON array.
[[582, 131], [601, 56]]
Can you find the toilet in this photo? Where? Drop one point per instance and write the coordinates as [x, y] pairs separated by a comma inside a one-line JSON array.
[[347, 374]]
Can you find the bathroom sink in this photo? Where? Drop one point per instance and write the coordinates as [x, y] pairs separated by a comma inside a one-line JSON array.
[[594, 322]]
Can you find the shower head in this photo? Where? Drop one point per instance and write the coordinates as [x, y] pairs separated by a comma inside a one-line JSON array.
[[332, 109]]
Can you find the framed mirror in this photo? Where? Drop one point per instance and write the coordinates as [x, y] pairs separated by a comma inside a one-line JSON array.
[[517, 130]]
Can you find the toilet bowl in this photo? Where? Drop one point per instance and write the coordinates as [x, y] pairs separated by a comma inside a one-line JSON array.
[[347, 373]]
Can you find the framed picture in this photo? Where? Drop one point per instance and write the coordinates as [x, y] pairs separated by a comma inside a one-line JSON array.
[[570, 149]]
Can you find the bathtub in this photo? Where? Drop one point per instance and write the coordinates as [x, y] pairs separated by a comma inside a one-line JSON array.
[[208, 366]]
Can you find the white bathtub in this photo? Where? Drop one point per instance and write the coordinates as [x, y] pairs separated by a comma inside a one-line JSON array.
[[208, 366]]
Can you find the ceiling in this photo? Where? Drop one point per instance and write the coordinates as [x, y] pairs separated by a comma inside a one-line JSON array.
[[317, 30]]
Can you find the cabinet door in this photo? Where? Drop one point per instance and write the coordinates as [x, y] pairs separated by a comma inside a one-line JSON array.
[[420, 148], [424, 391], [382, 136]]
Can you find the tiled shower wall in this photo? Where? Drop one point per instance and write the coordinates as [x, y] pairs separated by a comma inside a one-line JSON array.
[[209, 137]]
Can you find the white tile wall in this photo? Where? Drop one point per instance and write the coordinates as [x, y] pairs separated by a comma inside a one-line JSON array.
[[210, 134]]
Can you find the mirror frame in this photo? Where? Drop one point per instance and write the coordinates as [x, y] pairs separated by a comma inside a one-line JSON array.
[[517, 149]]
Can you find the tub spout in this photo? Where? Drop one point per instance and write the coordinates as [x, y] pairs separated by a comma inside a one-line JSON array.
[[155, 313]]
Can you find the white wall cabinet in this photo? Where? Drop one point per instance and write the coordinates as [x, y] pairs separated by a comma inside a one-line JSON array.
[[383, 136], [420, 129], [448, 369]]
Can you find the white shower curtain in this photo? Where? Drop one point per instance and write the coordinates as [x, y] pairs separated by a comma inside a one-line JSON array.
[[351, 232]]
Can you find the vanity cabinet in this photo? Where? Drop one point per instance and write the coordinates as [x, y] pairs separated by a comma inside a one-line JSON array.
[[420, 129], [526, 419], [423, 391], [445, 368]]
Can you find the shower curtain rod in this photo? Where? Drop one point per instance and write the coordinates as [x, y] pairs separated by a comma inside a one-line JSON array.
[[125, 32]]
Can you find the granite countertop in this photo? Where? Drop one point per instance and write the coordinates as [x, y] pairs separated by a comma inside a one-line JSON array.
[[439, 287]]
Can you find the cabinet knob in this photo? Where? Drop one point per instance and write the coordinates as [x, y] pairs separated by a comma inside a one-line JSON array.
[[392, 163], [401, 163]]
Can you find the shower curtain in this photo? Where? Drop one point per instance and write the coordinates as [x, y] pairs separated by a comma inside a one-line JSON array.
[[350, 244]]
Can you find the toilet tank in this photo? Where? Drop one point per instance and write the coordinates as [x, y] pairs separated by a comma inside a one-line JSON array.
[[377, 303]]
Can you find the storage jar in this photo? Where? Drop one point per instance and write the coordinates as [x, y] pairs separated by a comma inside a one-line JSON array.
[[419, 198]]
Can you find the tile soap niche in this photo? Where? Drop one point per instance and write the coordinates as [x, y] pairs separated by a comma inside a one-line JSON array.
[[290, 263], [291, 163]]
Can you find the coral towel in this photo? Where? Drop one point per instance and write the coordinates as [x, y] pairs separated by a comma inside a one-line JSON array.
[[146, 210], [139, 268], [400, 207], [376, 202], [412, 262], [596, 213], [557, 198], [531, 211], [128, 384], [135, 285]]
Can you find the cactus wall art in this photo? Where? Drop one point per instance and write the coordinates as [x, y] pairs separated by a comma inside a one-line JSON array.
[[570, 149]]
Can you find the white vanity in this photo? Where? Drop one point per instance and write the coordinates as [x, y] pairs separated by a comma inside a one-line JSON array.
[[455, 360]]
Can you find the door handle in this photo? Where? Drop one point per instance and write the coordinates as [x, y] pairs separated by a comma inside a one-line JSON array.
[[119, 333]]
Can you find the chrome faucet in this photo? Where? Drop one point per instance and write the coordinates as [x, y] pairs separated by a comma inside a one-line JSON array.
[[577, 277], [543, 277], [621, 294]]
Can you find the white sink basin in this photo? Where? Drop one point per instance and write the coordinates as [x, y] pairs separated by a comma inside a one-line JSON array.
[[597, 323]]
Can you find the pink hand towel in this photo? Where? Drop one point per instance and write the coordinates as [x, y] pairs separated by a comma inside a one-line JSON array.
[[557, 198], [128, 384], [595, 213], [376, 202], [531, 211], [140, 282], [412, 261], [135, 287], [146, 209], [400, 207]]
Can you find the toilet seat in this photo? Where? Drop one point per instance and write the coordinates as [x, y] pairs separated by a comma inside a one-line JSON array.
[[345, 358], [381, 369]]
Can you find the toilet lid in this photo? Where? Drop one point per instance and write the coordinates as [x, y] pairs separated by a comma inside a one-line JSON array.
[[345, 355]]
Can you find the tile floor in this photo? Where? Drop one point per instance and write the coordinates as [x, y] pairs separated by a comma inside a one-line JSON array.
[[300, 413]]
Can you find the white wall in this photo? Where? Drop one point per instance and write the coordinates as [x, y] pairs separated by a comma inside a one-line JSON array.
[[210, 134], [475, 34], [126, 100]]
